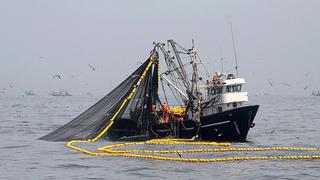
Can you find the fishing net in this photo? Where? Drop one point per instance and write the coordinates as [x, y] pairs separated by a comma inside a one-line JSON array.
[[131, 120]]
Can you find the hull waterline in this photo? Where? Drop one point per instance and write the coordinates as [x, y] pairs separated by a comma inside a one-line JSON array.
[[231, 125]]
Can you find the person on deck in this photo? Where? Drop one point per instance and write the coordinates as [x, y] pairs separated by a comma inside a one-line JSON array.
[[164, 112]]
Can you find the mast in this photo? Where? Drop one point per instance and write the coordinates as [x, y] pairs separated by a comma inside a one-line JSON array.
[[196, 101], [193, 97], [176, 70], [172, 66], [221, 60], [234, 49], [181, 70]]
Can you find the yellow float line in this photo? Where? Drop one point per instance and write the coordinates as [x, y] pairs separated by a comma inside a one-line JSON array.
[[145, 154], [223, 159], [108, 149]]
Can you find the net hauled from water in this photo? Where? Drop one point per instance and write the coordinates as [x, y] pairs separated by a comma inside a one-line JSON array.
[[93, 121]]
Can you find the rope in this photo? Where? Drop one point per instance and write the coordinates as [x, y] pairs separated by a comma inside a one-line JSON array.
[[158, 154]]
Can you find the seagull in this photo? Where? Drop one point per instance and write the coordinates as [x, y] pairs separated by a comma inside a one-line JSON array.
[[139, 62], [270, 83], [57, 75], [93, 69], [305, 88], [272, 131], [44, 105]]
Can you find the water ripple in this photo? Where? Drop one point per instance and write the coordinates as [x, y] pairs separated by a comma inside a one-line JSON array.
[[281, 121]]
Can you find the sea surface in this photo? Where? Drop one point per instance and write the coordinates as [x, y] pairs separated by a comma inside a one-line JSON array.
[[281, 121]]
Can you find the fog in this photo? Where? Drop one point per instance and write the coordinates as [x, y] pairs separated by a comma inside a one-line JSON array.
[[276, 41]]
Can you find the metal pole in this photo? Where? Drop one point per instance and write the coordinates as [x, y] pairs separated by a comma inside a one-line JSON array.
[[234, 49]]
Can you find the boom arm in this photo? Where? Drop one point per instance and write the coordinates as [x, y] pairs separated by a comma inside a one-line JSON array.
[[175, 87]]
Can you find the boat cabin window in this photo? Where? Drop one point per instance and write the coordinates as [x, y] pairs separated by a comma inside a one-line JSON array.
[[239, 87], [216, 91], [219, 90], [234, 88], [234, 104], [213, 91], [229, 89]]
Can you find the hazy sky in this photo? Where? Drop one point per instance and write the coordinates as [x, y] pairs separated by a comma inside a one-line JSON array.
[[277, 40]]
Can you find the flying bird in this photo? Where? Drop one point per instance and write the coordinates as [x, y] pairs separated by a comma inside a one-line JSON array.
[[272, 131], [270, 83], [11, 86], [93, 69], [305, 88], [139, 63], [57, 75]]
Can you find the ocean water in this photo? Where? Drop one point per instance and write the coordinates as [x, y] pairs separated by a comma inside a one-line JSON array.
[[281, 121]]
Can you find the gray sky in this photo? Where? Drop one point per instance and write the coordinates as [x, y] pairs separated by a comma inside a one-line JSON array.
[[276, 41]]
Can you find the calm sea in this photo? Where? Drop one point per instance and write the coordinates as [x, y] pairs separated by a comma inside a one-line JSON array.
[[281, 121]]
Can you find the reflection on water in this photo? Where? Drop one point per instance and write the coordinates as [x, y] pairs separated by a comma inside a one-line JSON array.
[[281, 120]]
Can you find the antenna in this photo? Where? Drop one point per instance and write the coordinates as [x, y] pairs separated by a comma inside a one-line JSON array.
[[192, 43], [221, 60], [234, 49]]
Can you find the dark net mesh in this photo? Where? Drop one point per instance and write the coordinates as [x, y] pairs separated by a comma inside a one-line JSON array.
[[91, 122], [137, 119]]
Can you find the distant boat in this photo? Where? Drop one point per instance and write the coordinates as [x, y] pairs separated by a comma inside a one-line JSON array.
[[30, 93], [89, 94], [61, 92], [315, 93]]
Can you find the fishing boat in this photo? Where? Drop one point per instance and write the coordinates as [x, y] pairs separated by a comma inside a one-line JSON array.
[[172, 94], [29, 93], [61, 92]]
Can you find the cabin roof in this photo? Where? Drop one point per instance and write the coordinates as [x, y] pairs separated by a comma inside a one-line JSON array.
[[234, 81]]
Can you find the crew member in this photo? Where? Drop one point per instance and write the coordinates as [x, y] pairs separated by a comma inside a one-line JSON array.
[[164, 112]]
